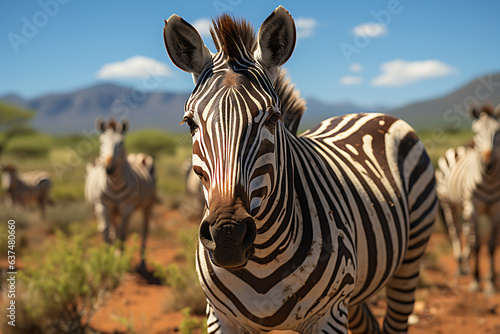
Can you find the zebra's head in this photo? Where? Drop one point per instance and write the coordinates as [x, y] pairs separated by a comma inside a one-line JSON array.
[[234, 118], [486, 128], [8, 176], [111, 149]]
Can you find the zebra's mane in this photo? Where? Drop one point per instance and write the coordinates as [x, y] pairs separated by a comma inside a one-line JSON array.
[[236, 39], [488, 108], [292, 105], [112, 123]]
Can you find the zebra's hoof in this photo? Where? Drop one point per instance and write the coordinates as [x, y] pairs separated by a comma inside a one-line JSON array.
[[474, 286], [489, 289]]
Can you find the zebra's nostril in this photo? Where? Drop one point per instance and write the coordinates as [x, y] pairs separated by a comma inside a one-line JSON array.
[[206, 237], [250, 233]]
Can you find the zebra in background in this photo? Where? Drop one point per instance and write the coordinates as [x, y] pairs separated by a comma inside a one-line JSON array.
[[299, 230], [26, 187], [194, 190], [468, 183], [117, 185]]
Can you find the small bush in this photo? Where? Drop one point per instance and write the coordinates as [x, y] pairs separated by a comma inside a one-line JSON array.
[[70, 283], [191, 324], [62, 215], [30, 145], [151, 142], [183, 279]]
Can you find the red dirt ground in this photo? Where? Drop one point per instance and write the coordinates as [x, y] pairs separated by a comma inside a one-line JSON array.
[[444, 306]]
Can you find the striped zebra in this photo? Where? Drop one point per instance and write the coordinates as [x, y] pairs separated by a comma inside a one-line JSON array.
[[26, 187], [117, 185], [468, 186], [194, 190], [299, 230]]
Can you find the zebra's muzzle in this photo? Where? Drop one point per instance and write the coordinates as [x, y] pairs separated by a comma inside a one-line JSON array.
[[229, 240]]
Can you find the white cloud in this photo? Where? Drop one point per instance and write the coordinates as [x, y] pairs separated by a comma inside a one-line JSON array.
[[203, 26], [136, 67], [401, 72], [305, 26], [355, 67], [349, 80], [370, 29]]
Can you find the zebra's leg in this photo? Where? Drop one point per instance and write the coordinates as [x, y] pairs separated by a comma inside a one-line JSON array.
[[401, 289], [41, 202], [361, 320], [492, 243], [218, 324], [9, 202], [145, 229], [452, 226], [122, 227], [472, 237], [334, 322], [104, 217]]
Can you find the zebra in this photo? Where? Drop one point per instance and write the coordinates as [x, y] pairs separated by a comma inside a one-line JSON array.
[[299, 230], [468, 183], [117, 185], [26, 187], [194, 190]]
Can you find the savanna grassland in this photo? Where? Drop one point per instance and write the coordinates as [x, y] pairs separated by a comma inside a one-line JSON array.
[[70, 281]]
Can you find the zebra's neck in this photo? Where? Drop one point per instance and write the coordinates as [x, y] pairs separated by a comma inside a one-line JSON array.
[[282, 229], [119, 175]]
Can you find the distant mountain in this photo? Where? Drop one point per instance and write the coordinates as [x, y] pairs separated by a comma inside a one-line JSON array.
[[318, 111], [448, 112], [76, 111]]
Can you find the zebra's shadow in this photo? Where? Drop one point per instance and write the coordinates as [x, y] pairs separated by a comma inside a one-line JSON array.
[[147, 275]]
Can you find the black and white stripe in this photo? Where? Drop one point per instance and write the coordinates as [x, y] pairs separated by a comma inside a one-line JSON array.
[[299, 231], [117, 185], [468, 186], [26, 187]]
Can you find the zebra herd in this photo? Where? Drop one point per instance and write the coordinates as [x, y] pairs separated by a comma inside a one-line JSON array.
[[298, 230], [468, 186]]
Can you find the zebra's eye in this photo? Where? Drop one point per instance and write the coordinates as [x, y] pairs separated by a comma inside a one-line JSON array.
[[192, 125], [273, 119]]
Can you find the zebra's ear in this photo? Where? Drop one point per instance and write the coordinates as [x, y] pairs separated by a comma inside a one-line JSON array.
[[473, 110], [185, 46], [496, 112], [276, 40], [124, 126], [100, 124]]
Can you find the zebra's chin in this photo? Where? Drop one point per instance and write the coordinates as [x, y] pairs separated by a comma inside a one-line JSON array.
[[234, 263]]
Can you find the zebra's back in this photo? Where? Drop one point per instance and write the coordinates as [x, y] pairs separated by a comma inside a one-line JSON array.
[[34, 185], [458, 174], [385, 190]]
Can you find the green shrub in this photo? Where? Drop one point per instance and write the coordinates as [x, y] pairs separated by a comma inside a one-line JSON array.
[[191, 324], [151, 142], [30, 145], [70, 283], [62, 215], [183, 279]]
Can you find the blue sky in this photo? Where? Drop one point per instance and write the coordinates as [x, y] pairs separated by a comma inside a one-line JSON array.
[[367, 52]]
